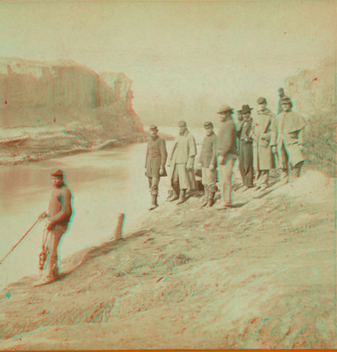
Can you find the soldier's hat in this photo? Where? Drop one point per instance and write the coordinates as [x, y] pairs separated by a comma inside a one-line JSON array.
[[245, 109], [208, 124], [153, 127], [182, 124], [262, 100], [58, 173], [286, 100], [224, 108]]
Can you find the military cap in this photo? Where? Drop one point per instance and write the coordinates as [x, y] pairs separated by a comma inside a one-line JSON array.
[[153, 127], [224, 108], [245, 109], [262, 100], [58, 173], [182, 124], [208, 124], [286, 100]]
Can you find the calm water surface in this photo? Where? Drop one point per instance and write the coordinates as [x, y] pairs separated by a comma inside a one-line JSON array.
[[104, 184]]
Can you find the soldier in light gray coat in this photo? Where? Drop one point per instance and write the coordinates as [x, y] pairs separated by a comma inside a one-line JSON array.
[[181, 163], [288, 140]]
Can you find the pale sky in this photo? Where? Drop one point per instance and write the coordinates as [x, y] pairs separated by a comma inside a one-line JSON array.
[[185, 58]]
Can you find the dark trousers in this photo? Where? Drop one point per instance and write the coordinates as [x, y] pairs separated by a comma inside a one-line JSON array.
[[246, 163]]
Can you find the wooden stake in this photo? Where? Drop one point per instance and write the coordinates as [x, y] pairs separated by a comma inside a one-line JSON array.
[[119, 227]]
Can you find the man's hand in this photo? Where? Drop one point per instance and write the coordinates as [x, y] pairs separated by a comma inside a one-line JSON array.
[[188, 168], [50, 224], [274, 149], [161, 171], [222, 160], [211, 167], [43, 215], [199, 166]]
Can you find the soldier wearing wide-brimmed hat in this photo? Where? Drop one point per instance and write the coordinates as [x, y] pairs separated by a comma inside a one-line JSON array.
[[263, 156], [181, 164], [227, 154], [208, 164], [156, 156], [246, 147], [58, 218], [288, 140]]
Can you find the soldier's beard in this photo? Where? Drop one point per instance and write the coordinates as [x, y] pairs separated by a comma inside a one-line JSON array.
[[58, 185]]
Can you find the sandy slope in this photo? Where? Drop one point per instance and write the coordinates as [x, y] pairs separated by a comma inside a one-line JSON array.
[[257, 276]]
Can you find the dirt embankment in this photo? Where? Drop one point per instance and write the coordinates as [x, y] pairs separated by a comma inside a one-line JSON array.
[[257, 276]]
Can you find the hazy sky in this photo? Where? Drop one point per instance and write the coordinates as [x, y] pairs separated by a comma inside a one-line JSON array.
[[185, 57]]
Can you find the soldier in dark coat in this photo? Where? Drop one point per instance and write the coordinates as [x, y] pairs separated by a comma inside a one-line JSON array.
[[208, 164], [156, 156], [246, 147], [263, 155], [227, 154], [281, 95]]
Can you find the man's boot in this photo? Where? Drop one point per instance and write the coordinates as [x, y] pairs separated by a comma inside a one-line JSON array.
[[211, 200], [204, 199], [182, 196], [154, 204], [174, 195]]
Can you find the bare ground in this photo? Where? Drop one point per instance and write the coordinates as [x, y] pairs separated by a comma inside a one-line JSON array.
[[261, 275]]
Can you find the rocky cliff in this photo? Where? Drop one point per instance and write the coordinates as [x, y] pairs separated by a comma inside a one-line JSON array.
[[313, 94], [42, 100], [313, 91]]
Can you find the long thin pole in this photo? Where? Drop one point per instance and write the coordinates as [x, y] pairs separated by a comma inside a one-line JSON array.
[[25, 235]]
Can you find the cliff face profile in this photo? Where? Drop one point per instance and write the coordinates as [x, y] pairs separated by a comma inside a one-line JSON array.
[[65, 98], [313, 91], [313, 94]]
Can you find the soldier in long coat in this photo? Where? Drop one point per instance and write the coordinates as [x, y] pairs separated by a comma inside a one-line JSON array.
[[288, 140], [156, 156], [263, 155], [246, 147], [181, 163], [208, 164]]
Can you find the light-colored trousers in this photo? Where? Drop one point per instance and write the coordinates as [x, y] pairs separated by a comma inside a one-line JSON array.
[[226, 178], [51, 268]]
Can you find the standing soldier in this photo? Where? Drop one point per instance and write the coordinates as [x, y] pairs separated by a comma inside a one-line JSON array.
[[263, 155], [281, 95], [227, 154], [58, 218], [156, 156], [181, 164], [246, 148], [288, 140], [208, 164]]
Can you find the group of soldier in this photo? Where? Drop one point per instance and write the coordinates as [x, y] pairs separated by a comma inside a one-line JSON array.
[[261, 143], [258, 142]]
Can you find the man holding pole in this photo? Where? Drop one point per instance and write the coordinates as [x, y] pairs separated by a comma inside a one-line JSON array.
[[58, 218]]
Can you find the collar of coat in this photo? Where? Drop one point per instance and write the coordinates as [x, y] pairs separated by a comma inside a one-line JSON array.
[[266, 111], [293, 122]]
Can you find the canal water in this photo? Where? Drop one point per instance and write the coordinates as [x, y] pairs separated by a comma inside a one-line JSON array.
[[104, 183]]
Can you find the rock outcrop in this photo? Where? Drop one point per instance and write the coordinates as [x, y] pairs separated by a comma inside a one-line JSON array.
[[41, 99], [313, 91]]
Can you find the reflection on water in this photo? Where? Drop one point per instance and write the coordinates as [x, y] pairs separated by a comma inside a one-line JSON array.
[[104, 184]]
